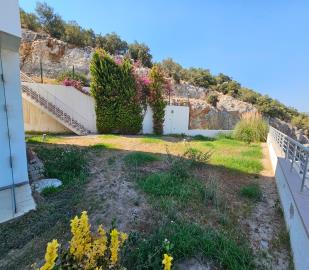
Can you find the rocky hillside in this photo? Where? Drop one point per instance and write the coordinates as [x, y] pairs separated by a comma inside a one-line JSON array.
[[57, 56]]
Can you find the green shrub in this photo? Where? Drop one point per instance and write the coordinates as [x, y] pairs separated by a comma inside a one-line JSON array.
[[29, 21], [156, 98], [251, 128], [139, 158], [77, 76], [213, 99], [252, 191], [140, 52], [118, 108], [197, 157]]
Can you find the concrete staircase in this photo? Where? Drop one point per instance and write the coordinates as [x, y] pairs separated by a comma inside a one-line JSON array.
[[53, 106]]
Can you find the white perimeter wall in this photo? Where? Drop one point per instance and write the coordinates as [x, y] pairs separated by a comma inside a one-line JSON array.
[[176, 121], [298, 236]]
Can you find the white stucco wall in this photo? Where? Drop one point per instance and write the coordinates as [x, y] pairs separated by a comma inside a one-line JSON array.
[[15, 192], [77, 104], [176, 121], [10, 63], [293, 217], [9, 17]]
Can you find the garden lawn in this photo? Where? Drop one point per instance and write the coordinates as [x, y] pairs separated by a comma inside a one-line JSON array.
[[196, 205]]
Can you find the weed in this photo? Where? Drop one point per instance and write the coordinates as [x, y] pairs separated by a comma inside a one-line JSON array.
[[139, 158], [211, 192], [66, 164], [165, 184], [178, 165], [252, 191], [187, 239], [100, 146], [197, 157], [49, 191]]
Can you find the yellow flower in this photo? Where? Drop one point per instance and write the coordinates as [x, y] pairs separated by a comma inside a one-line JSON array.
[[114, 246], [167, 261], [97, 249], [123, 237], [80, 243], [50, 255]]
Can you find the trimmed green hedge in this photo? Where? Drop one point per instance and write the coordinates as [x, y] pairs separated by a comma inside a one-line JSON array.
[[113, 87]]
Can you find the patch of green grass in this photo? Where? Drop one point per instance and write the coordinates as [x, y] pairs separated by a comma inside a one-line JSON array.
[[252, 191], [139, 158], [151, 139], [238, 163], [100, 146], [65, 164], [202, 138], [186, 240], [109, 136], [253, 152], [52, 217], [39, 139], [164, 184], [49, 191]]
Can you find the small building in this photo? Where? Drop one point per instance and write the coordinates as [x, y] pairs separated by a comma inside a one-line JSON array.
[[15, 192]]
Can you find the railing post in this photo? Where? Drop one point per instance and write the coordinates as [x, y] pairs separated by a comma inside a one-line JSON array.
[[287, 149], [293, 157], [304, 173]]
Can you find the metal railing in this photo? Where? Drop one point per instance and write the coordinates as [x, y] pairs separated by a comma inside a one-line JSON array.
[[295, 153], [54, 105]]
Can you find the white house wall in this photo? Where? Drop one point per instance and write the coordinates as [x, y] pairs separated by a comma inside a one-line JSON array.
[[9, 17], [10, 63]]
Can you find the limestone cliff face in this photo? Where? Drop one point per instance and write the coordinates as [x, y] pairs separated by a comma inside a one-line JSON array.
[[204, 116], [56, 56]]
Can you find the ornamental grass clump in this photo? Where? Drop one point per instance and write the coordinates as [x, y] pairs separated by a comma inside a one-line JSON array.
[[87, 250], [251, 128]]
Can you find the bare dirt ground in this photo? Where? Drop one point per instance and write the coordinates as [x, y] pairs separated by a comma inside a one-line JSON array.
[[112, 197], [265, 225]]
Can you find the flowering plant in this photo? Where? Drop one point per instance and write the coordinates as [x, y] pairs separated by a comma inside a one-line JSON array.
[[86, 250], [69, 82]]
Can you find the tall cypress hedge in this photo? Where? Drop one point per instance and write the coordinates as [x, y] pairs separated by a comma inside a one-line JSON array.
[[156, 101], [113, 87]]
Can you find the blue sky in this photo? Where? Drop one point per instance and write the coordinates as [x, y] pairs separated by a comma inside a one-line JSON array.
[[262, 44]]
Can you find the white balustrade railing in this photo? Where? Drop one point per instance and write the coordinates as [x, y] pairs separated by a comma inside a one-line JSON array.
[[295, 153], [53, 104]]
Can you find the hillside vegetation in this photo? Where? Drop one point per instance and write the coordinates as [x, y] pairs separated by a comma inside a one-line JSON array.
[[45, 19]]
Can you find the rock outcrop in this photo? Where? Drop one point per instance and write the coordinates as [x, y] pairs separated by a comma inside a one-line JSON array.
[[55, 55], [291, 131]]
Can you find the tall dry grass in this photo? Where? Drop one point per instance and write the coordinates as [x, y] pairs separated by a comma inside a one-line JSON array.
[[251, 128]]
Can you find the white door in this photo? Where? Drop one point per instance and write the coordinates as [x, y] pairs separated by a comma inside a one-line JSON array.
[[5, 166]]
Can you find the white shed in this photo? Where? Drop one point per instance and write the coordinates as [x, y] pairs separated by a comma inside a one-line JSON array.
[[15, 192]]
